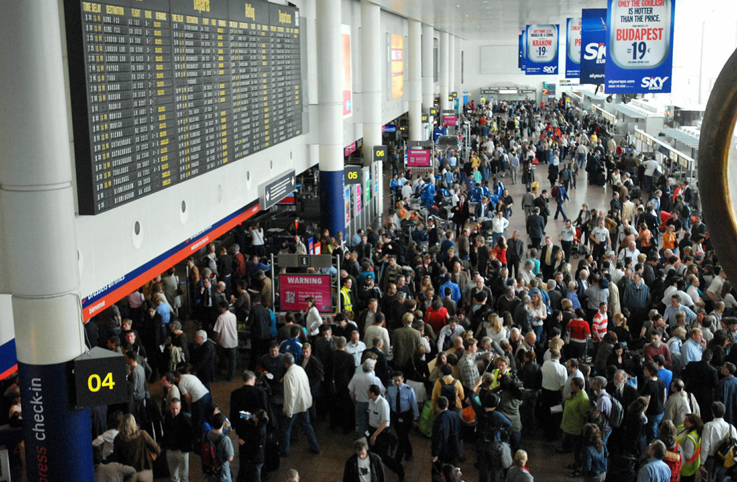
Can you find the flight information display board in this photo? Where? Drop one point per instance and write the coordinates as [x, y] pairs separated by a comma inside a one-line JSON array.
[[166, 90]]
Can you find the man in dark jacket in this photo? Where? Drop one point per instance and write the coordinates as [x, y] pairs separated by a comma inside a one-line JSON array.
[[701, 380], [177, 439], [446, 435], [260, 321], [515, 253], [535, 227], [203, 358], [248, 398], [352, 473], [461, 212]]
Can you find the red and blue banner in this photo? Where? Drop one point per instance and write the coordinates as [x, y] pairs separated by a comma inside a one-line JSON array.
[[118, 289], [573, 48], [640, 46], [542, 49], [593, 41]]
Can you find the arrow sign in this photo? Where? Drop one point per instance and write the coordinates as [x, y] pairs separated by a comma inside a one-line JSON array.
[[273, 191]]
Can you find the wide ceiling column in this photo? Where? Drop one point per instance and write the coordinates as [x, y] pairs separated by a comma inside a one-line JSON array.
[[415, 80], [444, 78]]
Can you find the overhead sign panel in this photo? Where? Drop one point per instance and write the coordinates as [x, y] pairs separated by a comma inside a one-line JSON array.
[[593, 41], [573, 48], [640, 45], [542, 49], [270, 193]]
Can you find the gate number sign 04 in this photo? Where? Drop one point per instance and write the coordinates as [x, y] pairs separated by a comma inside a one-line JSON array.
[[99, 377]]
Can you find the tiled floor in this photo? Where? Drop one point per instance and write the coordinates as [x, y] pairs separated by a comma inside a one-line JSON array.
[[544, 463]]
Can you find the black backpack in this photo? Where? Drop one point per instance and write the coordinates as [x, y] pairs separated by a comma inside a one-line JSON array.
[[448, 391], [208, 451]]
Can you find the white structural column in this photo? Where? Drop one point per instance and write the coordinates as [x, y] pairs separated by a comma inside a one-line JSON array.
[[452, 64], [37, 222], [415, 80], [330, 96], [428, 95], [371, 44], [458, 87], [444, 60]]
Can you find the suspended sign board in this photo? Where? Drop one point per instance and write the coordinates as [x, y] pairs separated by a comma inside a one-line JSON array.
[[593, 40], [542, 49], [640, 46], [573, 47]]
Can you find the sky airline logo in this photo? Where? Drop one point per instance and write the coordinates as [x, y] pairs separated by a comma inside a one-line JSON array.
[[550, 69], [654, 83], [595, 51]]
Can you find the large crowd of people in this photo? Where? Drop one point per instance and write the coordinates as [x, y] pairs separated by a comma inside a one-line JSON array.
[[611, 334]]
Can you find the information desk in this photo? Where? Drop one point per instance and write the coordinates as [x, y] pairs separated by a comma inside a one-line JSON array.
[[165, 90]]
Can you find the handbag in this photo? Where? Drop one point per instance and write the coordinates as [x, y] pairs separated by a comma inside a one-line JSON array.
[[505, 452], [567, 337], [468, 414], [726, 451]]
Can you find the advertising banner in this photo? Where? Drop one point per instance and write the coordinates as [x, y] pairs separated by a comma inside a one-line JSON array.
[[593, 41], [295, 288], [397, 53], [347, 77], [450, 120], [523, 42], [542, 49], [347, 201], [640, 46], [418, 158], [573, 48]]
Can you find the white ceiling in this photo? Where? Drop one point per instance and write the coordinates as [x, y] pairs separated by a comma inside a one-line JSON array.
[[484, 19]]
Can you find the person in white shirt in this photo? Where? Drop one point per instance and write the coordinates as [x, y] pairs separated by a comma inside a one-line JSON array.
[[573, 372], [355, 347], [407, 191], [226, 335], [630, 251], [313, 318], [713, 435], [297, 403], [499, 225], [553, 379]]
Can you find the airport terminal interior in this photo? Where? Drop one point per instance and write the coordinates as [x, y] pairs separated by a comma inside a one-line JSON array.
[[368, 240]]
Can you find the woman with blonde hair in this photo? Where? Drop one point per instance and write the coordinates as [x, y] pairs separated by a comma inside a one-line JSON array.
[[622, 330], [518, 472], [555, 343], [133, 446], [495, 328]]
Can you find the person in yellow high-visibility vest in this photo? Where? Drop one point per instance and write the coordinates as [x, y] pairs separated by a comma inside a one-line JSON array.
[[346, 295], [689, 439]]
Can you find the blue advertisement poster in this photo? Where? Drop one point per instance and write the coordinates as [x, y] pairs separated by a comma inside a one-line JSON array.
[[593, 42], [639, 46], [541, 43], [523, 50], [573, 48]]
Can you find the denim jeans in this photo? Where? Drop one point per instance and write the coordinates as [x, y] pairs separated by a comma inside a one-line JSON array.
[[361, 419], [651, 429], [559, 209], [304, 417]]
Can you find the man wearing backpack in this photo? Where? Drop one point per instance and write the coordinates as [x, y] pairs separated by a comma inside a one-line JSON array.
[[604, 407], [448, 387], [217, 452]]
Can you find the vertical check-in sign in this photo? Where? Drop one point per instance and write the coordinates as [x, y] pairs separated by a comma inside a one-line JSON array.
[[273, 191]]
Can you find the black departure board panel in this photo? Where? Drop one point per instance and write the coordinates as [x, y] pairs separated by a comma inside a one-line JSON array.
[[166, 90]]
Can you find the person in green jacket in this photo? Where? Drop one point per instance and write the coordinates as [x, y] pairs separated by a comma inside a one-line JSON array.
[[575, 414]]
